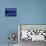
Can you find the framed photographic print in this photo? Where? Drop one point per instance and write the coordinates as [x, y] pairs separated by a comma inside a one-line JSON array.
[[10, 11], [32, 32]]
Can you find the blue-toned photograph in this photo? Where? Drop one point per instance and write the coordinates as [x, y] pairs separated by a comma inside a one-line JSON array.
[[10, 11], [22, 22]]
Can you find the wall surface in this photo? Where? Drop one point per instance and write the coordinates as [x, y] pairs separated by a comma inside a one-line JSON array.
[[28, 12]]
